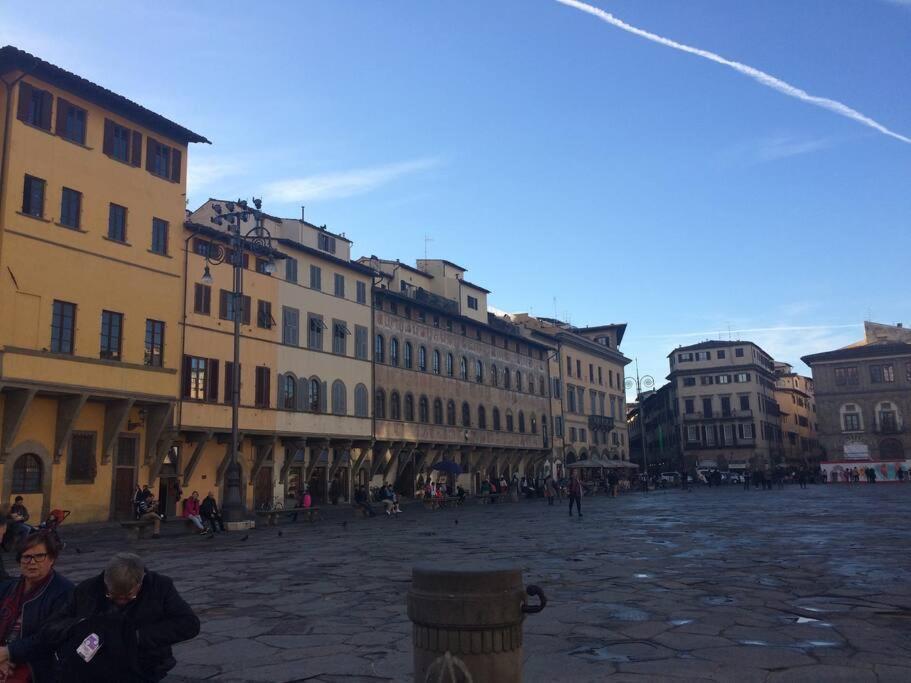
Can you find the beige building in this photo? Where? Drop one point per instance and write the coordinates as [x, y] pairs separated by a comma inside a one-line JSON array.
[[587, 392], [795, 396], [863, 398], [451, 380], [725, 398]]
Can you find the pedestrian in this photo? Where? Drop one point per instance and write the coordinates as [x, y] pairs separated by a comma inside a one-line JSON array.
[[613, 482], [210, 514], [334, 491], [555, 485], [16, 527], [120, 625], [148, 511], [872, 475], [26, 605], [802, 478], [361, 501], [485, 491], [548, 491], [575, 494], [747, 475], [191, 511]]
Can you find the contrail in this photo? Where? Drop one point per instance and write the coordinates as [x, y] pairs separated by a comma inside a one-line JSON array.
[[780, 328], [765, 79]]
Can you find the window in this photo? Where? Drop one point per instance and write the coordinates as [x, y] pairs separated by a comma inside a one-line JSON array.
[[558, 427], [33, 197], [63, 325], [556, 391], [361, 292], [437, 411], [261, 387], [326, 243], [570, 399], [422, 359], [880, 374], [466, 414], [744, 402], [450, 367], [395, 406], [572, 434], [339, 285], [316, 277], [745, 431], [290, 269], [509, 424], [496, 419], [707, 407], [703, 355], [70, 208], [154, 344], [851, 420], [692, 434], [339, 337], [578, 367], [521, 422], [450, 413], [81, 466], [264, 314], [709, 435], [122, 144], [689, 381], [706, 379], [742, 377], [689, 406], [473, 303], [408, 359], [290, 326], [379, 350], [507, 379], [435, 362], [315, 395], [482, 418], [494, 378], [288, 388], [424, 410], [315, 327], [339, 398], [436, 321], [70, 121], [723, 379], [725, 406], [569, 366], [27, 474], [739, 354], [394, 351], [479, 371], [360, 401], [159, 236], [263, 266], [408, 408], [591, 372], [360, 342], [111, 335], [721, 354], [600, 375], [518, 381], [534, 425], [35, 106], [163, 160], [117, 223]]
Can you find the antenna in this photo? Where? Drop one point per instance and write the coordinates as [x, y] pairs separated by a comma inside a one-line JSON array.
[[427, 240], [555, 309]]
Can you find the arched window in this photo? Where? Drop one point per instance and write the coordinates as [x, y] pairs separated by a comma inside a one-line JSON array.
[[493, 375], [339, 398], [507, 382], [395, 406], [408, 359], [534, 424], [518, 381], [479, 371], [436, 362], [852, 420], [422, 359], [509, 425], [394, 352], [521, 422], [379, 405], [496, 419], [379, 353], [313, 395], [424, 410], [437, 411], [360, 400], [466, 414], [449, 368], [27, 474], [482, 418], [888, 417], [450, 413], [288, 389], [541, 385], [409, 408], [463, 367]]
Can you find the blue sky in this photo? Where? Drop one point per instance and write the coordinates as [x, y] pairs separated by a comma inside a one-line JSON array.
[[572, 167]]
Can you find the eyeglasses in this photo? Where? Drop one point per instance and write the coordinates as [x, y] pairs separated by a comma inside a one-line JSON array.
[[123, 599], [35, 558]]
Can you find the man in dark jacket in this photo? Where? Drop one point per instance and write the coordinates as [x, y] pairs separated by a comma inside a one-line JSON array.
[[137, 613], [210, 513]]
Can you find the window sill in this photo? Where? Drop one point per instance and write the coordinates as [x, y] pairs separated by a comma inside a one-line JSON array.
[[157, 253], [121, 161], [33, 217], [74, 142], [70, 228], [109, 239], [36, 127]]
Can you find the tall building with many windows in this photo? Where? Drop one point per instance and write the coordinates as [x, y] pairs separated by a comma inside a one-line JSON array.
[[863, 399], [796, 399], [92, 189]]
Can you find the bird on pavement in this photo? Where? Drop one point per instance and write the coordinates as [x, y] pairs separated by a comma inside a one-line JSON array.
[[279, 532], [245, 538], [456, 521]]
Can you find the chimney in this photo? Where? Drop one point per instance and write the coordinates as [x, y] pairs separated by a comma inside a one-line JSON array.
[[302, 212]]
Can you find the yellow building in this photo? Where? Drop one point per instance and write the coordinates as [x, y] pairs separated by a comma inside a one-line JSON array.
[[796, 399], [92, 195]]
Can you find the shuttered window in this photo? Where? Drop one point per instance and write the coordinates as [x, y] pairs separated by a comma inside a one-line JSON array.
[[70, 121], [159, 236], [81, 466], [117, 223], [35, 106], [33, 196], [202, 299], [122, 143], [163, 160], [263, 392], [200, 378], [70, 208]]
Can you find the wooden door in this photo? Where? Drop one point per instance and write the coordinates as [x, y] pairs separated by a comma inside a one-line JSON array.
[[262, 489], [124, 477]]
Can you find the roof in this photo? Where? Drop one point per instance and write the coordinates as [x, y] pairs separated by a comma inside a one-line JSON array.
[[477, 287], [398, 264], [620, 327], [717, 344], [320, 228], [12, 59], [354, 265], [860, 352]]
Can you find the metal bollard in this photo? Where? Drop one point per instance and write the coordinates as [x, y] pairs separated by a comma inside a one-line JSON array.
[[467, 622]]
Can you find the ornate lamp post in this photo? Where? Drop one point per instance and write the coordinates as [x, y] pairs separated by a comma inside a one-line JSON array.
[[257, 240], [638, 383]]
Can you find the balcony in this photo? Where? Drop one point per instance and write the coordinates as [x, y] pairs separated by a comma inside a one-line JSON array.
[[600, 423]]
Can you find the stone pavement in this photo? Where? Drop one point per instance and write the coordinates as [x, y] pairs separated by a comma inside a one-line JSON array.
[[716, 584]]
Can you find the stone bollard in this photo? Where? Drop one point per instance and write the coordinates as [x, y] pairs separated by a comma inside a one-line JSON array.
[[467, 622]]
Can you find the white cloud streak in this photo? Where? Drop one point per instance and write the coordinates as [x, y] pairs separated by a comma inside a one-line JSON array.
[[344, 183], [760, 76], [718, 334]]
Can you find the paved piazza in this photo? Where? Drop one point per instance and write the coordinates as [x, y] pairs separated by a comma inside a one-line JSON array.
[[717, 584]]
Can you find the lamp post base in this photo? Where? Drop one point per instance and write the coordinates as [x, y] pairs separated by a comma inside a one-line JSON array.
[[233, 511]]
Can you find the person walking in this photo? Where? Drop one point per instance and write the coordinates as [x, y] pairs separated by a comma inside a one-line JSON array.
[[191, 511], [361, 501], [575, 494], [548, 491], [26, 605], [746, 480], [613, 482]]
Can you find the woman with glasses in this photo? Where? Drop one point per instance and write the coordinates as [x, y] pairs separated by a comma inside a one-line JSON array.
[[26, 603]]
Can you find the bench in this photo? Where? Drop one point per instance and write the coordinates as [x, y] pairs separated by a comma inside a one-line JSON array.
[[434, 503], [310, 514]]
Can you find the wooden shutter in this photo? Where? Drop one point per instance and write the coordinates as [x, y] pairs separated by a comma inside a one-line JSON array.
[[25, 97], [267, 392], [136, 154], [246, 312], [246, 260], [108, 147], [223, 304], [322, 397], [229, 380], [175, 165], [212, 381], [197, 298], [150, 152], [63, 108], [47, 101], [187, 365]]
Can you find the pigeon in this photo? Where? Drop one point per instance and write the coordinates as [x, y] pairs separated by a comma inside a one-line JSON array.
[[456, 521], [279, 532], [245, 538], [78, 551]]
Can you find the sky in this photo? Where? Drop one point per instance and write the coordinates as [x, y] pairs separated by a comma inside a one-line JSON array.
[[579, 168]]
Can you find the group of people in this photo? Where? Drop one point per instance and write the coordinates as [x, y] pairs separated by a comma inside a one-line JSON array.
[[117, 626], [204, 514]]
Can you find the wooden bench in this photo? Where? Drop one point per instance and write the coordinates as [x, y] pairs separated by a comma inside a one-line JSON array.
[[310, 514]]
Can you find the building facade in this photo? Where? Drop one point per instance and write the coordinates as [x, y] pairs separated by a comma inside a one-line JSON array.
[[451, 380], [796, 399], [863, 399], [92, 191], [654, 417], [725, 398]]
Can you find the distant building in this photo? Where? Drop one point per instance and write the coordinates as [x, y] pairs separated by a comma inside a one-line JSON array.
[[863, 396], [662, 436], [795, 396]]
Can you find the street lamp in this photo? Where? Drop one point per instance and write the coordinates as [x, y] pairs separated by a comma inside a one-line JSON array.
[[637, 383], [257, 240]]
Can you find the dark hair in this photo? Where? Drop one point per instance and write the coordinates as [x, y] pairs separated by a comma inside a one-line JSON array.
[[40, 538], [18, 498]]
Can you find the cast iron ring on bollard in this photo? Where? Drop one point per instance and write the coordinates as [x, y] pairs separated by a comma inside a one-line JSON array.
[[467, 622]]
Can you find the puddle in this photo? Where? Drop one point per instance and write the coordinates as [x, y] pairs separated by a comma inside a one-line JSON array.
[[806, 621], [680, 622], [599, 654], [642, 576], [817, 643], [754, 642]]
